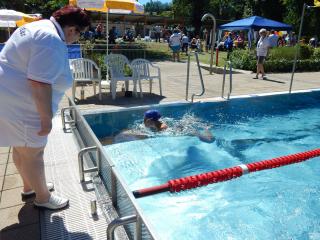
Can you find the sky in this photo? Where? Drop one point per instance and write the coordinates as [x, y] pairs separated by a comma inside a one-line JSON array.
[[163, 1]]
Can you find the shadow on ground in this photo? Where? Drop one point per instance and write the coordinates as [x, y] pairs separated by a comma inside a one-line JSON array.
[[121, 100], [272, 80], [28, 228]]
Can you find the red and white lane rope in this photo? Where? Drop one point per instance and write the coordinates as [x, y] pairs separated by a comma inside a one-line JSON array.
[[203, 179]]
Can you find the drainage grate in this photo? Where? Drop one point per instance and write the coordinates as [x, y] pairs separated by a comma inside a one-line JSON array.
[[75, 222]]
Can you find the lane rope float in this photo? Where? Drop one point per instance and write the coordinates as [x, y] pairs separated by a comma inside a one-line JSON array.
[[203, 179]]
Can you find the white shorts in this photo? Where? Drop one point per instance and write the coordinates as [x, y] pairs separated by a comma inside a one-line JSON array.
[[17, 134]]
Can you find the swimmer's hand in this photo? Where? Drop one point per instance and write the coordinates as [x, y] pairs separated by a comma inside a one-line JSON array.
[[206, 136]]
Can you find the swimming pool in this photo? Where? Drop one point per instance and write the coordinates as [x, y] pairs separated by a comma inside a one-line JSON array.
[[279, 203]]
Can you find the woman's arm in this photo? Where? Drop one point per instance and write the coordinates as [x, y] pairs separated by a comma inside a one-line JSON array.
[[42, 96]]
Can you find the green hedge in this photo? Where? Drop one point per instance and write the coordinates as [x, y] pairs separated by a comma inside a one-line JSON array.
[[279, 60]]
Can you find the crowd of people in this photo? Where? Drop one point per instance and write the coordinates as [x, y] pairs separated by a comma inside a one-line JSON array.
[[98, 32], [179, 41]]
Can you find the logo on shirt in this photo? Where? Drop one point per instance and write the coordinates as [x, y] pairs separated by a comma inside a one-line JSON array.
[[22, 31]]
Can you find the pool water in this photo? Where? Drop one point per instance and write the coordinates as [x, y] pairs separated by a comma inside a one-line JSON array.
[[280, 203]]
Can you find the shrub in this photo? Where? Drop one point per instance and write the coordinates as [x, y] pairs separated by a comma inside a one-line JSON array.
[[243, 59], [316, 53], [288, 53], [280, 60], [305, 52], [282, 53]]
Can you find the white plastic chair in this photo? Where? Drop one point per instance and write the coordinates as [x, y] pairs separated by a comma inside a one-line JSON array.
[[116, 65], [85, 71], [142, 70]]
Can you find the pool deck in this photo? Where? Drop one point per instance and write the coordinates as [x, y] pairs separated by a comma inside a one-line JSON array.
[[20, 220]]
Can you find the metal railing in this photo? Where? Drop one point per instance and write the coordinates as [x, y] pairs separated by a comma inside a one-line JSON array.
[[120, 222], [213, 36], [188, 78], [121, 196], [229, 63]]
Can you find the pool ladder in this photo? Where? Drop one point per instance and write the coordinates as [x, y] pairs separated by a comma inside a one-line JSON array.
[[188, 77], [227, 63]]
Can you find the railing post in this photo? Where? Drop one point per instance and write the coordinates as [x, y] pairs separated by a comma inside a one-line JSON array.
[[224, 79], [81, 153], [64, 121], [297, 47], [213, 36], [201, 79], [119, 222], [188, 78], [230, 78]]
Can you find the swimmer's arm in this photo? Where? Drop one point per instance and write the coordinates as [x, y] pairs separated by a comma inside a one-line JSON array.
[[205, 135]]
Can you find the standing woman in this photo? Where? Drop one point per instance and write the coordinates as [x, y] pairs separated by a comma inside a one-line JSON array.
[[262, 52], [175, 44], [34, 74]]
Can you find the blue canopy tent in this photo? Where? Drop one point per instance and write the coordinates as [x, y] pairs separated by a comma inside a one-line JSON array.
[[254, 23]]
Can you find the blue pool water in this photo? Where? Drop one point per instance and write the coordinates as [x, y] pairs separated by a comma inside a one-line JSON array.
[[280, 203]]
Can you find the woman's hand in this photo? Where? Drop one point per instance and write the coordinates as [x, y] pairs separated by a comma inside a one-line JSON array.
[[46, 126]]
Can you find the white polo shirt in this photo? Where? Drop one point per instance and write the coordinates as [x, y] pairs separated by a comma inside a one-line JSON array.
[[263, 46], [35, 51], [175, 39]]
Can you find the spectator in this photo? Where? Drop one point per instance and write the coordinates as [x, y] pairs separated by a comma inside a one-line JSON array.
[[273, 39], [293, 39], [157, 33], [175, 44], [99, 31], [199, 44], [185, 43], [34, 66], [262, 52], [240, 41], [228, 44], [281, 41], [112, 35], [193, 44], [313, 42]]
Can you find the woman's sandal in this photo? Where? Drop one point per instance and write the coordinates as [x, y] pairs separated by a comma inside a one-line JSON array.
[[54, 203], [50, 187]]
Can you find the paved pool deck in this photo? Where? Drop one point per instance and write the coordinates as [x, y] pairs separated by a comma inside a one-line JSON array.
[[20, 220]]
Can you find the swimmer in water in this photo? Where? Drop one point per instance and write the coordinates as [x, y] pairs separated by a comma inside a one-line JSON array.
[[152, 121]]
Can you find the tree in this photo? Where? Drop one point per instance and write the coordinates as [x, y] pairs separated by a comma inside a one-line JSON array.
[[34, 6], [157, 7]]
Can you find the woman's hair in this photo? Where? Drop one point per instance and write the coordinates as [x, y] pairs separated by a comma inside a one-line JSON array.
[[72, 16]]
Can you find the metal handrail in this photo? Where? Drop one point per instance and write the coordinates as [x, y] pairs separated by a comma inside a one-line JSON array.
[[81, 153], [213, 36], [188, 78], [119, 222], [224, 78], [63, 117]]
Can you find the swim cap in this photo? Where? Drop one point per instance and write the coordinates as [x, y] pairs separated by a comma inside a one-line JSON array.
[[152, 114]]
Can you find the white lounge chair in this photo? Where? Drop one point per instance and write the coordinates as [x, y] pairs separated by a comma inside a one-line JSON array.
[[145, 70], [117, 63], [85, 71]]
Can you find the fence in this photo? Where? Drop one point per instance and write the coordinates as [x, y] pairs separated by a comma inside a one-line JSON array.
[[131, 51]]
